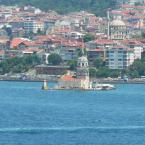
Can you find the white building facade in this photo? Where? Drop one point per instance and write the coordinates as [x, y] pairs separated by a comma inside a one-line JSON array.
[[119, 57]]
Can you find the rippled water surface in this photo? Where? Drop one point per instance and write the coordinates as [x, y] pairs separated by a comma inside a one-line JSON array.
[[30, 116]]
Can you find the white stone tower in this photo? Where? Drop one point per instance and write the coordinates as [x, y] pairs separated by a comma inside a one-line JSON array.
[[83, 72]]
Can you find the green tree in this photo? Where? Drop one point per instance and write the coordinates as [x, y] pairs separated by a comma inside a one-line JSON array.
[[9, 31], [137, 69], [19, 64], [138, 4], [40, 32], [72, 64], [134, 74], [143, 34], [88, 37], [92, 72], [80, 52], [98, 63], [105, 72], [102, 72], [98, 7], [54, 59], [114, 73]]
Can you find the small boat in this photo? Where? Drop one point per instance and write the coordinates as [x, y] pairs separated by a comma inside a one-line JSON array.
[[108, 87], [98, 86], [45, 85]]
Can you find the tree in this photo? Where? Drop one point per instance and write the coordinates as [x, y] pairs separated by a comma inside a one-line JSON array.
[[65, 6], [102, 72], [137, 69], [9, 31], [80, 52], [114, 73], [88, 37], [143, 34], [98, 63], [54, 59], [105, 72], [133, 74], [92, 72], [138, 4], [19, 64], [72, 64], [40, 32]]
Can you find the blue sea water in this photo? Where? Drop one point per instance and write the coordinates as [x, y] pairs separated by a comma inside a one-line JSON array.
[[30, 116]]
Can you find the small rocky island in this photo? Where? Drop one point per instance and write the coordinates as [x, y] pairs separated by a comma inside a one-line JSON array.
[[81, 80]]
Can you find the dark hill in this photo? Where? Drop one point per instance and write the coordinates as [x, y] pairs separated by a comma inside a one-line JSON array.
[[64, 6]]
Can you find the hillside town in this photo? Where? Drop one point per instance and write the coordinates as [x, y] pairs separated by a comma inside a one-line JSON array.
[[112, 43]]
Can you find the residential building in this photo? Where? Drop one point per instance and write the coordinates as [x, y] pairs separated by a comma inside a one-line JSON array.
[[119, 57], [32, 26], [2, 55], [94, 54], [133, 2], [68, 51]]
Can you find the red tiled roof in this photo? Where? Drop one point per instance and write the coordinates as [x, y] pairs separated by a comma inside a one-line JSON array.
[[104, 41], [127, 6], [32, 50], [68, 78], [2, 52], [17, 41], [96, 50], [134, 42]]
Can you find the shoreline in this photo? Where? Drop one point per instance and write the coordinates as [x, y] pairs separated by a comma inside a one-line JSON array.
[[136, 81]]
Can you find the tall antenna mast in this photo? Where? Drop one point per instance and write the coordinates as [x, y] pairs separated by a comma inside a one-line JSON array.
[[83, 53], [108, 23]]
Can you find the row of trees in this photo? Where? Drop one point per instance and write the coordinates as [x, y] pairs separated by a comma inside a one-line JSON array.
[[98, 67], [137, 69], [99, 70], [65, 6], [19, 64], [54, 59]]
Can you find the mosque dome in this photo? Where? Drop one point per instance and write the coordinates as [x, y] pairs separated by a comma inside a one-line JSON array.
[[117, 23]]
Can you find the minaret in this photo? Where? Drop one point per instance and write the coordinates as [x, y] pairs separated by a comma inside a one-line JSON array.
[[108, 24]]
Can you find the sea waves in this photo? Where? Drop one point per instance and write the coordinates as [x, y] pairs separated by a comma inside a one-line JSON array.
[[71, 129]]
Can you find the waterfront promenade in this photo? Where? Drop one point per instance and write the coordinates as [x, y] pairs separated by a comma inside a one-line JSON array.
[[56, 78]]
